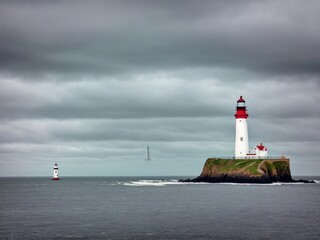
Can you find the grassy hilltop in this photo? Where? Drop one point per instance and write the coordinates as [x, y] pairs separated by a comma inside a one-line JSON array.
[[245, 170]]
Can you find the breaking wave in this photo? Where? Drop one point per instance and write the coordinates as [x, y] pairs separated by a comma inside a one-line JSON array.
[[162, 183], [155, 183]]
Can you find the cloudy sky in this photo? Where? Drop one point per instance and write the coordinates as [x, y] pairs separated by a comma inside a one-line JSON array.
[[89, 84]]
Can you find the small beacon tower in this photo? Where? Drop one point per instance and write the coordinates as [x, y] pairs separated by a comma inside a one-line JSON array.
[[55, 172], [148, 158], [242, 141]]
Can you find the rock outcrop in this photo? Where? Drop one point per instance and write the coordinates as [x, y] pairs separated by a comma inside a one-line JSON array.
[[245, 171]]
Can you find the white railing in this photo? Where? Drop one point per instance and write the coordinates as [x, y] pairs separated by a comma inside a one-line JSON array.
[[249, 157]]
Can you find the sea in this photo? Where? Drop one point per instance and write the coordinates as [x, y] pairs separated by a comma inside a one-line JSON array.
[[156, 208]]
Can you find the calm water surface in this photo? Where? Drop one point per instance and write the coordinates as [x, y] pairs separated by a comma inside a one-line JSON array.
[[155, 208]]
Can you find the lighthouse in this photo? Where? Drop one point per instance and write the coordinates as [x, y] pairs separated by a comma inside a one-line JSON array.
[[242, 140], [148, 158], [55, 172]]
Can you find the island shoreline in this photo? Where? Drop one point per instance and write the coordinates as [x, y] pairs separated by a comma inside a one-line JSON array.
[[255, 171]]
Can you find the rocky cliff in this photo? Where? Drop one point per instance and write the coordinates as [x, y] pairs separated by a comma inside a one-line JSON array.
[[245, 171]]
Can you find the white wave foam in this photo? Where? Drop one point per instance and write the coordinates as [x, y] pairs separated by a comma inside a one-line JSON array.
[[162, 183], [143, 184], [317, 181], [108, 184], [156, 183]]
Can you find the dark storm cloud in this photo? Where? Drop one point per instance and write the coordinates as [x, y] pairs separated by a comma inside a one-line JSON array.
[[117, 37]]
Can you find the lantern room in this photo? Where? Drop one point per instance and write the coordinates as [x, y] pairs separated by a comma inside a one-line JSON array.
[[241, 110]]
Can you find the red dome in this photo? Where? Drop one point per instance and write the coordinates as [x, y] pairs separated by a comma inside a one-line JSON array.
[[241, 99]]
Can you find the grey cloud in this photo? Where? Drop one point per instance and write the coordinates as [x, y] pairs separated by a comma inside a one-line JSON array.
[[116, 37], [92, 83], [134, 99], [143, 130], [156, 96]]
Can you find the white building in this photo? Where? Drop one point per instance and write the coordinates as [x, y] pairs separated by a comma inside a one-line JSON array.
[[261, 151]]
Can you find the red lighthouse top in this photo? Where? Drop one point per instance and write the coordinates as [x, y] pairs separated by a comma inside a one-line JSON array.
[[241, 99], [241, 110]]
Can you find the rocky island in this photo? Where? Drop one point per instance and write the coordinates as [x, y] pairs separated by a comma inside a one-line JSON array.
[[246, 171], [246, 166]]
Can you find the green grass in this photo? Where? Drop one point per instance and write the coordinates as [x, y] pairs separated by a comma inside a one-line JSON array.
[[247, 166], [253, 169], [269, 166], [225, 165], [280, 164]]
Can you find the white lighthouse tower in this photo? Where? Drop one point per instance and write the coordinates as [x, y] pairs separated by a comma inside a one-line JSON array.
[[242, 141], [55, 172]]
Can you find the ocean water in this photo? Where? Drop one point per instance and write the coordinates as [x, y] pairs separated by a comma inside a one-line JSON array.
[[156, 208]]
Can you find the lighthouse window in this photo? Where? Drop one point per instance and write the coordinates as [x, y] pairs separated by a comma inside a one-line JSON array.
[[241, 139]]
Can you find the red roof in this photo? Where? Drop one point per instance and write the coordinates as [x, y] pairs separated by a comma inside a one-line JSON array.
[[241, 99], [261, 147]]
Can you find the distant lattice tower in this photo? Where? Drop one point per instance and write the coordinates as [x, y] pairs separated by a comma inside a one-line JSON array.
[[148, 158], [242, 140], [55, 172]]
